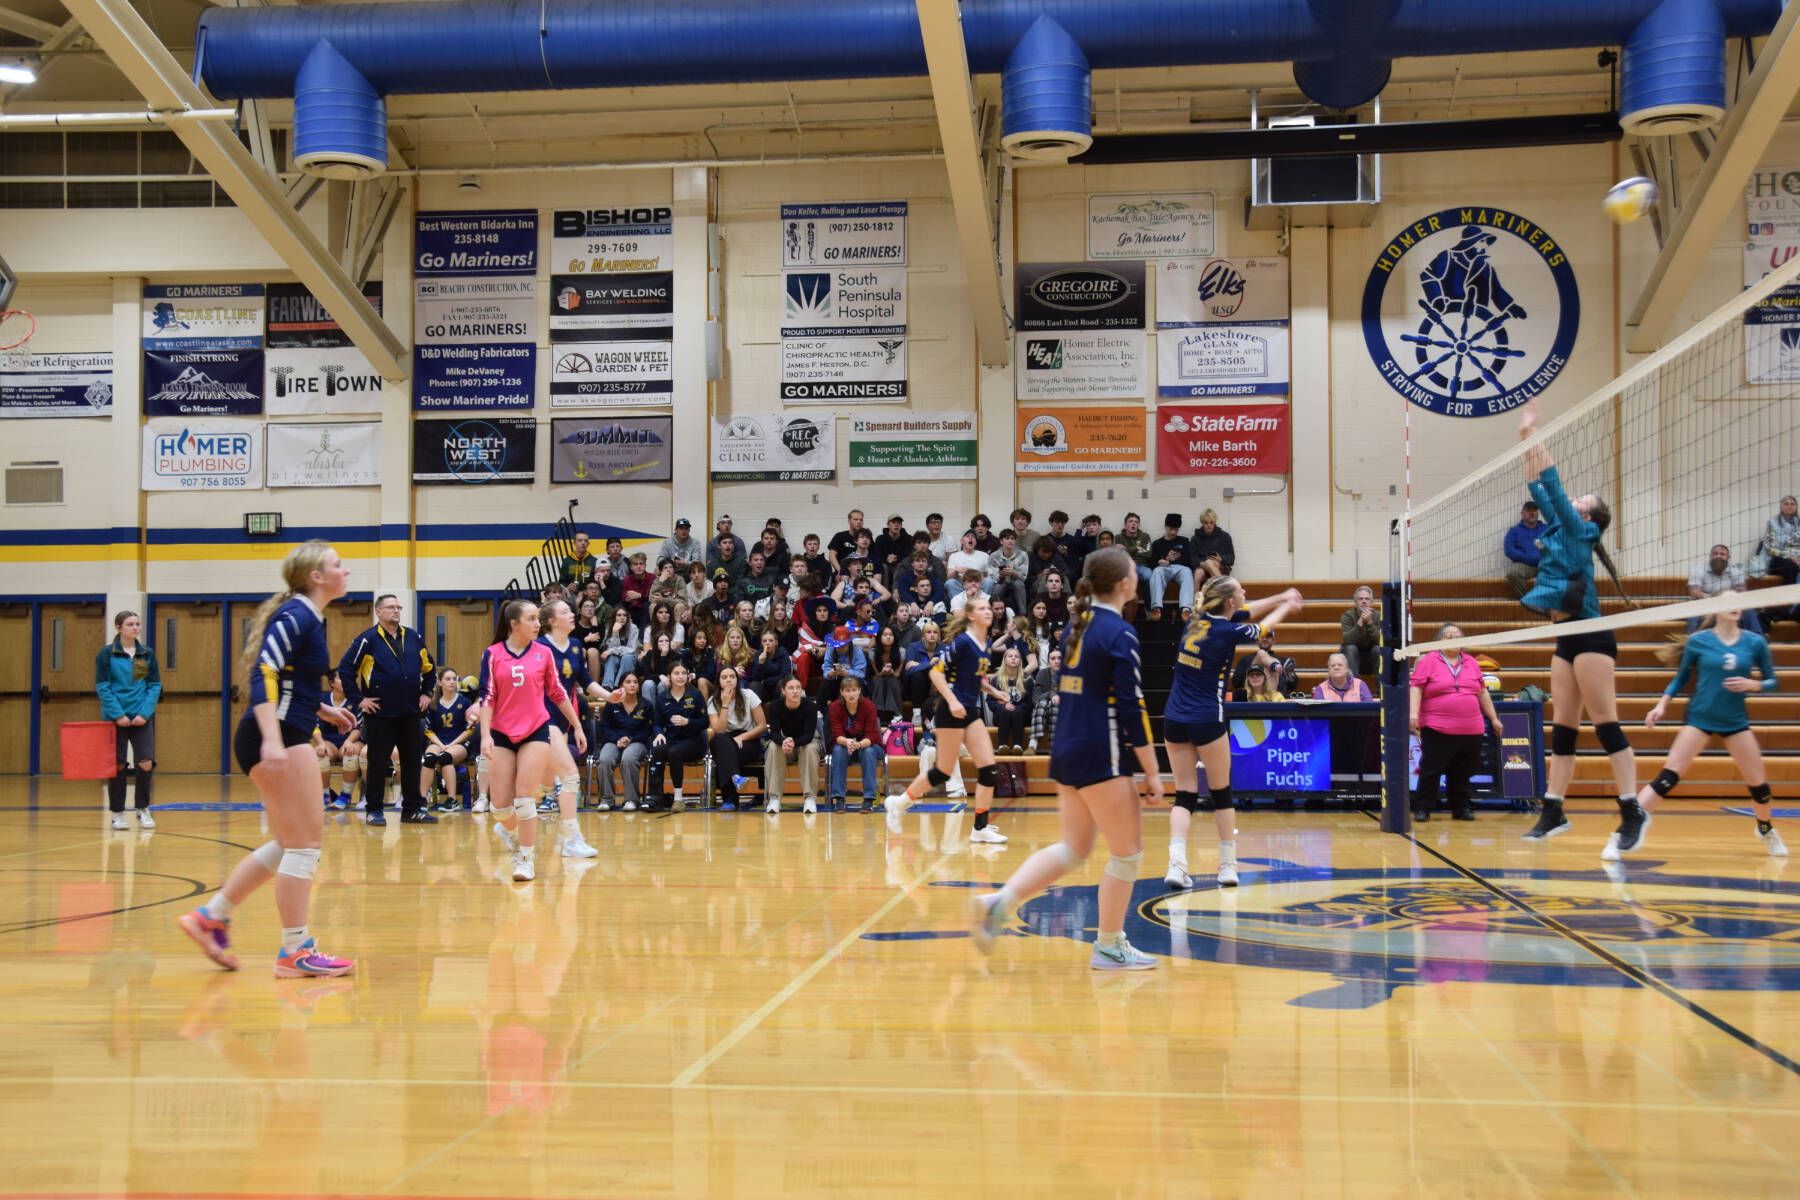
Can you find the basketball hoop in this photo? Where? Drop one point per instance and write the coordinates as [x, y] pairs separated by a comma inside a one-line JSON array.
[[16, 328]]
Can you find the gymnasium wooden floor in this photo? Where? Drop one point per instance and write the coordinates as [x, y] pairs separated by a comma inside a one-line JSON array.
[[741, 1006]]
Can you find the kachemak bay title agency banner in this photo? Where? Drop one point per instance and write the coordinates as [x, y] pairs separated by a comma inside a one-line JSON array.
[[310, 365], [475, 450], [611, 450], [203, 350], [935, 445], [1222, 327], [475, 309], [56, 385], [1081, 332], [1163, 225], [843, 305]]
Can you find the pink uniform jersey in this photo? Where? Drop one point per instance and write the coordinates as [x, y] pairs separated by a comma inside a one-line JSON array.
[[518, 688]]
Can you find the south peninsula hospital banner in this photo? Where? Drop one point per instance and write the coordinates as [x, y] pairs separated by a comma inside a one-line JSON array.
[[843, 304], [475, 309]]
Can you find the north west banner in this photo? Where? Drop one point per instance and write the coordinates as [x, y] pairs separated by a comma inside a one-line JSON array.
[[475, 450]]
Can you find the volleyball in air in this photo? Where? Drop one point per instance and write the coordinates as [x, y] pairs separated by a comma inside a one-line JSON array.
[[1629, 199]]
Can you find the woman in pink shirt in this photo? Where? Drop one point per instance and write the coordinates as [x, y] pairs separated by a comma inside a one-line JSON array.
[[1340, 685], [518, 684], [1451, 710]]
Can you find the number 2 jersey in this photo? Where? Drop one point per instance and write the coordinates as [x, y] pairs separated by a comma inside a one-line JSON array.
[[1102, 704], [1203, 664], [1713, 708], [962, 663], [519, 688]]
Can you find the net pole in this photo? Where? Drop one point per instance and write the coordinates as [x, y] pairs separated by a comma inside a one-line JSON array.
[[1396, 668]]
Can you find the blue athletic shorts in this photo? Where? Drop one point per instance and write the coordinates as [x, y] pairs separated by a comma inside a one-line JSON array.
[[1193, 733]]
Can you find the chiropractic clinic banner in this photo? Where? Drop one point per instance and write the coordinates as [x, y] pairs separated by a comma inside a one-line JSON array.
[[475, 450], [774, 446], [1081, 332], [843, 306], [475, 309], [56, 385], [926, 445], [1223, 439], [200, 456], [310, 365], [341, 455], [1081, 441], [203, 350], [611, 450]]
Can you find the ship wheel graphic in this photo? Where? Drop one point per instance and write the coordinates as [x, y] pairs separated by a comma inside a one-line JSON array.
[[1462, 344]]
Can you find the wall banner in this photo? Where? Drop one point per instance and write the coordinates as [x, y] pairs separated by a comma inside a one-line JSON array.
[[475, 450], [1223, 439], [1231, 291], [475, 309], [856, 234], [203, 350], [198, 456], [933, 445], [1081, 441], [612, 374], [596, 241], [773, 446], [56, 385], [310, 365], [1081, 364], [1772, 338], [1772, 329], [340, 455], [1079, 296], [629, 305], [203, 316], [1223, 360], [843, 335], [203, 383], [611, 450], [1169, 225]]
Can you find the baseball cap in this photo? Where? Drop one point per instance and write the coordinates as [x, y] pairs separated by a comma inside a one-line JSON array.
[[684, 523], [895, 517], [723, 517]]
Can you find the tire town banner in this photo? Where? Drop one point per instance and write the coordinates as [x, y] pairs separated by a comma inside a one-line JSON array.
[[310, 366], [611, 450], [930, 445], [774, 446], [56, 385], [843, 307], [203, 350], [1222, 327], [475, 450], [1081, 441], [339, 455], [475, 309], [199, 456], [1080, 332], [1223, 439]]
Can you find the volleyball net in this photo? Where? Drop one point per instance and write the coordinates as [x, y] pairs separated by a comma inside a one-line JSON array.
[[1692, 447]]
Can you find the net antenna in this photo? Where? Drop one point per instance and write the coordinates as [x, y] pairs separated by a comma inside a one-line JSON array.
[[1692, 447]]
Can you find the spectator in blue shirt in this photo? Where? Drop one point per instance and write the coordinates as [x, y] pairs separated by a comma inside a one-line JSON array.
[[843, 658], [1522, 551]]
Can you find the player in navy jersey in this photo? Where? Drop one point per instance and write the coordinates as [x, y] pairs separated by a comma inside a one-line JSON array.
[[1194, 723], [285, 658], [572, 670], [956, 677], [1721, 659], [448, 734], [1102, 736], [340, 746]]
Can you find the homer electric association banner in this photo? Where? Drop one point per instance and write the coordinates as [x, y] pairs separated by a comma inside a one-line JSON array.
[[843, 305], [615, 450], [1081, 331], [203, 350], [201, 456], [773, 446], [1223, 439], [1222, 327], [475, 450], [475, 309], [1081, 441], [56, 385], [310, 365]]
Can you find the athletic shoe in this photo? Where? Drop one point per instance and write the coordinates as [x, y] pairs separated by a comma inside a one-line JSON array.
[[1227, 876], [211, 935], [507, 837], [1634, 823], [987, 921], [603, 805], [119, 821], [988, 833], [548, 803], [481, 804], [523, 869], [1550, 823], [961, 793], [577, 847], [309, 961], [1462, 814], [629, 806], [339, 802], [728, 806], [376, 818], [1178, 880], [145, 820], [738, 781], [1122, 957], [774, 805], [1772, 839], [1421, 815], [449, 804], [419, 816], [868, 804], [896, 805]]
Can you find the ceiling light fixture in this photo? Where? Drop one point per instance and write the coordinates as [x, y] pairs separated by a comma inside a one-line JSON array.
[[18, 70]]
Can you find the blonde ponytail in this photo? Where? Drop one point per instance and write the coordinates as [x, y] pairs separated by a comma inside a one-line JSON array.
[[296, 572], [1214, 600]]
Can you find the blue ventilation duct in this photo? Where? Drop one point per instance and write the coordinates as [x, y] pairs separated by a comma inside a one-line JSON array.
[[340, 122], [1046, 96], [1673, 56]]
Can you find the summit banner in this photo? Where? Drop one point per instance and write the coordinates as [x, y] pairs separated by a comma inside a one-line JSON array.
[[475, 309]]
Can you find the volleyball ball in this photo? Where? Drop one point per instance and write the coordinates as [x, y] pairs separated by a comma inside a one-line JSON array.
[[1629, 199]]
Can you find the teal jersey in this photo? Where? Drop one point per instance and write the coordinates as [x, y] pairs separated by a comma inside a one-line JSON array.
[[1713, 708]]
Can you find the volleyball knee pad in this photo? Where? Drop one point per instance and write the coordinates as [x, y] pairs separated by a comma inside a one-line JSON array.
[[1219, 799], [268, 854], [937, 778], [324, 764], [988, 776], [1188, 800], [481, 766], [501, 811], [1665, 782], [1125, 866], [1562, 739], [301, 864], [1759, 793], [526, 810], [435, 758], [352, 763], [1066, 856], [1612, 737]]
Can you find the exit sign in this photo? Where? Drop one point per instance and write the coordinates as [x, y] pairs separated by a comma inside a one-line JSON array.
[[264, 524]]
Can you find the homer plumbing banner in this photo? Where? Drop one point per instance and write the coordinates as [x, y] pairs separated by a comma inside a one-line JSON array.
[[310, 365], [475, 309], [203, 350], [843, 306]]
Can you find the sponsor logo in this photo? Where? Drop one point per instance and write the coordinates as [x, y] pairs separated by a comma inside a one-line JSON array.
[[1044, 354], [568, 299], [1221, 288], [1044, 436], [800, 436], [575, 222], [809, 298], [612, 435], [165, 318], [98, 395], [209, 455], [333, 379], [474, 451], [1081, 290], [195, 386]]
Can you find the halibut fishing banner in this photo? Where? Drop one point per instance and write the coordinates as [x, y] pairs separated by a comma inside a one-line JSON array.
[[475, 309]]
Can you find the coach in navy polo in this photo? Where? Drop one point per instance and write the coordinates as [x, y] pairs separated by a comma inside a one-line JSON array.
[[388, 678]]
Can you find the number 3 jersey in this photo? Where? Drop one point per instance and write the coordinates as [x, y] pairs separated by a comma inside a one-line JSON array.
[[518, 688], [1713, 708]]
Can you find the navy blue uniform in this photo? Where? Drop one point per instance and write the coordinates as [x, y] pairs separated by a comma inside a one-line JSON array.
[[287, 674], [448, 723], [572, 669], [1195, 712], [962, 663], [1102, 718], [394, 669]]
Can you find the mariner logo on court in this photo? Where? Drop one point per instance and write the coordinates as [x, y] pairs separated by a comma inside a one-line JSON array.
[[1471, 311]]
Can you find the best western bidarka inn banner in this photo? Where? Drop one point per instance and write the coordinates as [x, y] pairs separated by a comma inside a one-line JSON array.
[[203, 350], [475, 309], [56, 385], [843, 305], [774, 446], [310, 365], [1081, 332], [928, 445], [475, 450], [342, 455], [199, 456], [1222, 327], [610, 450]]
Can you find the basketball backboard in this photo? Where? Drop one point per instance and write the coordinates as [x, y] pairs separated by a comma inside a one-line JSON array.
[[8, 281]]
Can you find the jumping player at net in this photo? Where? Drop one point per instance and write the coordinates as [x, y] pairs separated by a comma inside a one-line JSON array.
[[286, 660], [1582, 668], [1720, 659], [572, 670], [518, 683], [957, 677], [1102, 725], [1194, 724]]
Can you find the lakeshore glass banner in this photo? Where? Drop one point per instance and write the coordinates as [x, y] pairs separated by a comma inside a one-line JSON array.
[[341, 455], [936, 445], [612, 374], [203, 350], [843, 328], [56, 385], [611, 450], [475, 450], [1167, 225], [475, 309], [774, 446], [1223, 439], [1222, 327], [1081, 441], [598, 241], [310, 365], [200, 456]]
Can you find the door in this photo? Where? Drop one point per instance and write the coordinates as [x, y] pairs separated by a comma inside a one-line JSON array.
[[72, 634], [344, 619], [457, 631], [15, 688], [188, 643]]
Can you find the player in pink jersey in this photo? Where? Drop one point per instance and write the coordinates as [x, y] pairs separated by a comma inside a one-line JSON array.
[[518, 684]]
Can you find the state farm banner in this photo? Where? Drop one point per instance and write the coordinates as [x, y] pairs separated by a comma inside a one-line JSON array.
[[56, 384], [339, 455], [612, 374], [1223, 439], [1081, 441], [475, 450], [1235, 291], [310, 365], [928, 445], [611, 450], [200, 456], [630, 305], [773, 446], [597, 241], [475, 309], [203, 350]]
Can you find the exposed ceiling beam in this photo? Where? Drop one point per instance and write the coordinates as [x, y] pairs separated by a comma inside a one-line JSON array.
[[954, 95], [118, 30], [31, 27], [1718, 194], [60, 37]]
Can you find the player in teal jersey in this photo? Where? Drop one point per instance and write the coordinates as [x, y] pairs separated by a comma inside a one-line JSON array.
[[1721, 659]]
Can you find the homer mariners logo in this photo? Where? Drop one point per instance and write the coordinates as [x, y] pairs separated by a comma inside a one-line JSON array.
[[1471, 311]]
